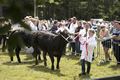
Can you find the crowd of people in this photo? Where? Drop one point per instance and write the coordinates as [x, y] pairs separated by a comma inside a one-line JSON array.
[[84, 33]]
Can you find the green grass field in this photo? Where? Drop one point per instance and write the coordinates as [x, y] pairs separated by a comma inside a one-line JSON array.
[[69, 68]]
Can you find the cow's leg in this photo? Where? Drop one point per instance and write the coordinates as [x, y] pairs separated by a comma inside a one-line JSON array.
[[58, 60], [11, 56], [44, 56], [35, 53], [52, 59], [39, 52], [17, 51]]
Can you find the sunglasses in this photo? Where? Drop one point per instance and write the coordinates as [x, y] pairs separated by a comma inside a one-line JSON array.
[[102, 27]]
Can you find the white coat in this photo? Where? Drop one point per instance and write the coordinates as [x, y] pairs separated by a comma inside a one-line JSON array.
[[90, 47]]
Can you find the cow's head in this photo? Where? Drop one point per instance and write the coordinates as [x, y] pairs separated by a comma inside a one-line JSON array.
[[66, 35]]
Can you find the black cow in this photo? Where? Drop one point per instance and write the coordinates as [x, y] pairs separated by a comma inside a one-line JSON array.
[[52, 43], [25, 36]]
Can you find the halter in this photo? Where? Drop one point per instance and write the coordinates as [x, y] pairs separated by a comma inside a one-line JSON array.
[[65, 38]]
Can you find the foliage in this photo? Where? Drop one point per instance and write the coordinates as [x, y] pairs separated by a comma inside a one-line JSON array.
[[82, 9]]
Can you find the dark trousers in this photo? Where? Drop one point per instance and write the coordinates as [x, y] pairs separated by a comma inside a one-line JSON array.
[[64, 51], [77, 46], [73, 47], [83, 66], [4, 40], [116, 50]]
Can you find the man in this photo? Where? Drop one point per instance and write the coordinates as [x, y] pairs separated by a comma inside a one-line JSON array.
[[72, 28], [93, 25], [54, 27], [116, 42], [111, 30]]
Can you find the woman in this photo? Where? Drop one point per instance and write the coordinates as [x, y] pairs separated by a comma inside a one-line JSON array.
[[104, 34], [34, 26], [77, 44]]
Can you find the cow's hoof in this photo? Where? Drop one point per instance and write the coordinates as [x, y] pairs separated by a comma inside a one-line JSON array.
[[57, 67], [45, 64], [52, 68], [11, 59], [39, 58], [19, 61], [36, 63]]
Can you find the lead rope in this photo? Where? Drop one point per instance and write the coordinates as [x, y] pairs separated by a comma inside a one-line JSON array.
[[66, 38]]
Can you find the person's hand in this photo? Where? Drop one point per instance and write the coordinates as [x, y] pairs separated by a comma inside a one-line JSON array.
[[85, 35], [113, 36], [80, 35], [86, 43], [69, 23], [73, 34], [101, 37]]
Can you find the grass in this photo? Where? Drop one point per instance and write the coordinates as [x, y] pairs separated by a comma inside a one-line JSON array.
[[69, 68]]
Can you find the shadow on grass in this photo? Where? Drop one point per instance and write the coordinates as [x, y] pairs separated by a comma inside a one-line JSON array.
[[103, 63], [78, 63], [22, 63], [5, 53], [29, 57], [73, 57], [84, 77], [114, 67], [46, 70]]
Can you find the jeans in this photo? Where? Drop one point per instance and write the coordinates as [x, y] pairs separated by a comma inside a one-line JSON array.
[[83, 66], [77, 46]]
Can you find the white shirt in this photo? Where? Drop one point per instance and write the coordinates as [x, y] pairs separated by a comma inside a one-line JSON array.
[[60, 29], [72, 27], [44, 28], [90, 48], [15, 26], [82, 39], [33, 27]]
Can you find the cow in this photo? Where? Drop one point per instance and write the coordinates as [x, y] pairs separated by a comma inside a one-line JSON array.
[[25, 36], [50, 43]]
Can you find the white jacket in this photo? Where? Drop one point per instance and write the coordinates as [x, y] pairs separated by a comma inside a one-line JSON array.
[[90, 47]]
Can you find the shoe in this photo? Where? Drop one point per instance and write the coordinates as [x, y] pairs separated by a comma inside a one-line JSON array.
[[110, 59], [87, 72], [82, 74], [118, 64]]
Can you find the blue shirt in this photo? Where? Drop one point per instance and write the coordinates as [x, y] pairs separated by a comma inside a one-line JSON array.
[[54, 28], [117, 33]]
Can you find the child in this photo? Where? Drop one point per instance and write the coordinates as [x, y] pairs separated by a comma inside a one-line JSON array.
[[87, 52]]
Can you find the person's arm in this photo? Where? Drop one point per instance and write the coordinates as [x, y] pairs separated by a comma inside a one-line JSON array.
[[102, 35], [77, 32], [106, 32], [50, 28], [111, 30], [116, 37], [68, 25]]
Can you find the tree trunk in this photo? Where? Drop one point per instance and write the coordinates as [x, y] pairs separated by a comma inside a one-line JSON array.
[[88, 16], [1, 11], [69, 9]]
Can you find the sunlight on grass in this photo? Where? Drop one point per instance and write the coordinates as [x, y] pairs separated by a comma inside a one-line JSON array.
[[69, 68]]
